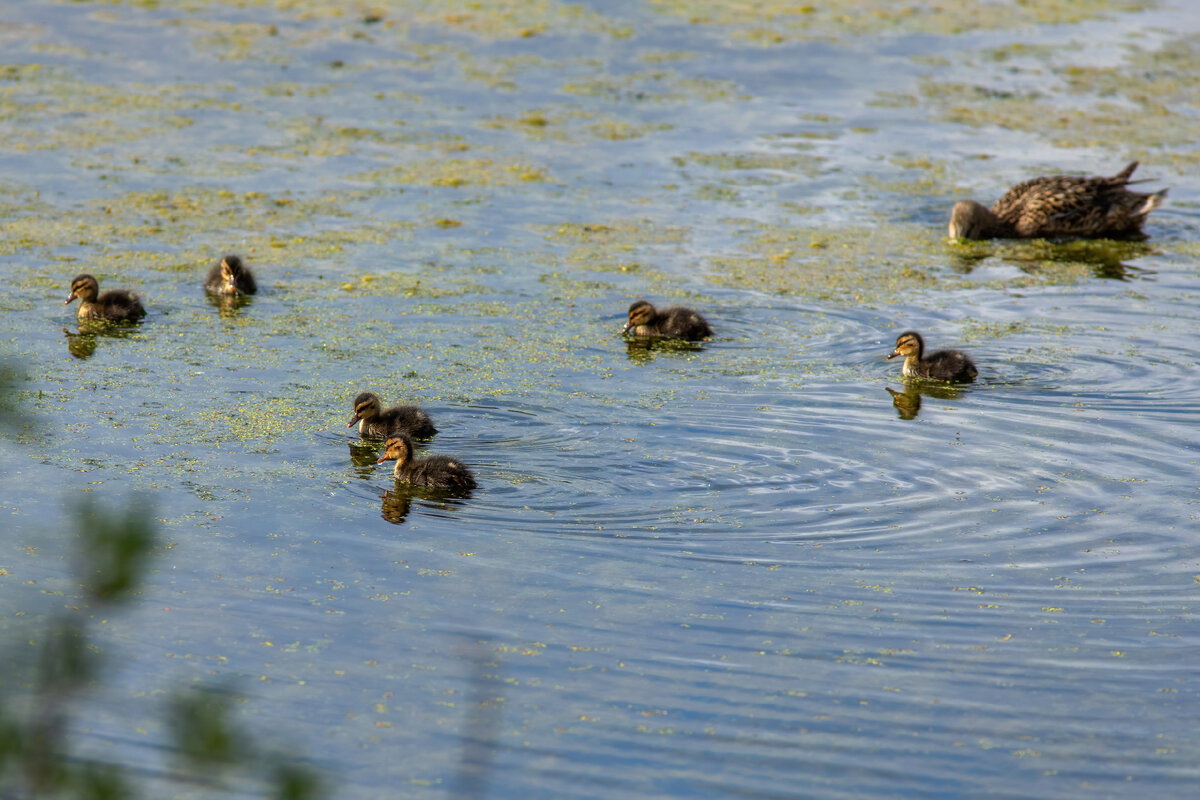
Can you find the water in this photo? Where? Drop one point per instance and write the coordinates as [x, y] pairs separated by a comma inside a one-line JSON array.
[[740, 569]]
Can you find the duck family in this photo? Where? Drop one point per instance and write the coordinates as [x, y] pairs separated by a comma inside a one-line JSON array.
[[1051, 206]]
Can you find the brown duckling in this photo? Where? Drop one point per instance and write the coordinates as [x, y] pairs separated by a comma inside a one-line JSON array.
[[674, 322], [432, 472], [1060, 205], [374, 420], [115, 304], [230, 277], [944, 365]]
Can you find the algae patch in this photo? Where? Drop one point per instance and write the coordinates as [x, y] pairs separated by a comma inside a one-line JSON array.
[[777, 21], [1145, 108]]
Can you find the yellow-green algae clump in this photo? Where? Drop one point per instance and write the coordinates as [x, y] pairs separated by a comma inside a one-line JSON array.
[[1144, 108], [775, 21]]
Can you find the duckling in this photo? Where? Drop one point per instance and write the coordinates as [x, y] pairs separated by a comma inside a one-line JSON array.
[[432, 472], [115, 304], [1060, 205], [231, 276], [944, 365], [674, 322], [374, 421]]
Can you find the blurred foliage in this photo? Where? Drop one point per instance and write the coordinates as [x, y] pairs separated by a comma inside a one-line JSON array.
[[39, 696]]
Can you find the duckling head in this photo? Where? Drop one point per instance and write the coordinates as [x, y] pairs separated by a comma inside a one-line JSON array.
[[640, 313], [366, 405], [231, 272], [398, 448], [908, 344], [84, 287]]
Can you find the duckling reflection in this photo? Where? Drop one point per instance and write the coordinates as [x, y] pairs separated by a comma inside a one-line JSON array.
[[674, 322], [1059, 205], [444, 473], [943, 365], [115, 305], [82, 345], [642, 349], [228, 304], [374, 421], [1105, 258], [364, 456], [395, 505], [908, 402]]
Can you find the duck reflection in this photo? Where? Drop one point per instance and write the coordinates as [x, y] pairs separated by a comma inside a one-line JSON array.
[[643, 350], [363, 456], [396, 503], [908, 401], [1105, 258], [228, 305], [82, 345]]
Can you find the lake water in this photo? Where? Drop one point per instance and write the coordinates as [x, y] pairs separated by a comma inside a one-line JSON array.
[[741, 569]]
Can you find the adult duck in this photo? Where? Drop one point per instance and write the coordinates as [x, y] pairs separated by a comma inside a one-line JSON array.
[[1060, 206]]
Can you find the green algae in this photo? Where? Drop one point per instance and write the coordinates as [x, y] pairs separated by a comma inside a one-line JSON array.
[[659, 86], [456, 172], [1143, 108], [778, 21], [789, 164], [570, 125], [325, 19], [876, 265]]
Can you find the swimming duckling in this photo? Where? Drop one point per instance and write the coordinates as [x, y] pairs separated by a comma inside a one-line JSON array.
[[944, 365], [374, 421], [1059, 205], [231, 276], [674, 322], [115, 304], [432, 472]]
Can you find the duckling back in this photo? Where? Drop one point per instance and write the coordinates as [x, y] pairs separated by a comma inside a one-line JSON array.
[[399, 419], [944, 365], [683, 323], [118, 305], [436, 472]]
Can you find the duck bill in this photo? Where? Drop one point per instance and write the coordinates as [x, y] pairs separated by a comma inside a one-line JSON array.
[[70, 297], [350, 424], [893, 354], [626, 328], [383, 458]]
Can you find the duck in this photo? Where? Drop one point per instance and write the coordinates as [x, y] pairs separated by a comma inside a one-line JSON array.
[[431, 472], [674, 322], [944, 365], [115, 304], [1060, 206], [374, 420], [230, 277]]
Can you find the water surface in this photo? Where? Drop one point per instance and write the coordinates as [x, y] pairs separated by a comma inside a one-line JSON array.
[[740, 569]]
